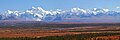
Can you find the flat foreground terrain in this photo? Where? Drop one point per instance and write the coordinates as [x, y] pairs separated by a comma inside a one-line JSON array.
[[75, 33], [40, 32]]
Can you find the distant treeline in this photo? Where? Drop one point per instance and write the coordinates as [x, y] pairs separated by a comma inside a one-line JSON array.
[[58, 25]]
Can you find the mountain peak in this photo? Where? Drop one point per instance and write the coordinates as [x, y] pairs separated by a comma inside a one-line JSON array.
[[39, 14]]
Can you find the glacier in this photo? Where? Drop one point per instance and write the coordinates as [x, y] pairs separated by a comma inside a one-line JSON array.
[[71, 15]]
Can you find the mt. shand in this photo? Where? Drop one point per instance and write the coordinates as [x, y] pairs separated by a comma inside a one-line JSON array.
[[72, 15]]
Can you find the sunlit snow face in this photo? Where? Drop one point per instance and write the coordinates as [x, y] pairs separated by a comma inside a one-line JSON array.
[[74, 14]]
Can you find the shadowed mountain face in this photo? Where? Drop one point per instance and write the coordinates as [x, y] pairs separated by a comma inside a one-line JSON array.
[[94, 15]]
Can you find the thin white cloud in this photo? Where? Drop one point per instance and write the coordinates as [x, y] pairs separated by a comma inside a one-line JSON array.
[[118, 7]]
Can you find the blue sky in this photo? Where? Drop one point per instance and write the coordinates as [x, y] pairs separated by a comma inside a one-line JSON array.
[[58, 4]]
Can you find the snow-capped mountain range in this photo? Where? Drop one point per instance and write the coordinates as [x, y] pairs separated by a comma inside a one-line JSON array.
[[71, 15]]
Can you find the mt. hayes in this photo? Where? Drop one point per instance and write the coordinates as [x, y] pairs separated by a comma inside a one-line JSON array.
[[72, 15]]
